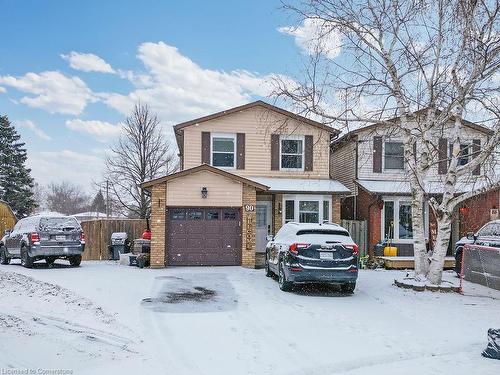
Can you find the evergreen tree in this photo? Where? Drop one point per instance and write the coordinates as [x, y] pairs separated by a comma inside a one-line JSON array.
[[99, 203], [16, 184]]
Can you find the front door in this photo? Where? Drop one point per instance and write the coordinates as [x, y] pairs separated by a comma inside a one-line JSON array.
[[263, 224]]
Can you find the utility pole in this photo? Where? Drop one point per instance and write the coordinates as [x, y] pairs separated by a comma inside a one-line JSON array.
[[107, 199]]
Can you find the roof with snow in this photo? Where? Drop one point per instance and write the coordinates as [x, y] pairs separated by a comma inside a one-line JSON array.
[[403, 187], [93, 214], [301, 185]]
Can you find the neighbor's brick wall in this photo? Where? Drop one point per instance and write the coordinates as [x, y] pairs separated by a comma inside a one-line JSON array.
[[336, 209], [372, 215], [277, 213], [248, 228], [158, 225], [478, 211]]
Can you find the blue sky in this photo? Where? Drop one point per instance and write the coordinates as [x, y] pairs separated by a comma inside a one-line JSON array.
[[69, 71]]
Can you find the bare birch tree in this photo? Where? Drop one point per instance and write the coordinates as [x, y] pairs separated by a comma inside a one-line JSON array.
[[427, 63], [141, 154]]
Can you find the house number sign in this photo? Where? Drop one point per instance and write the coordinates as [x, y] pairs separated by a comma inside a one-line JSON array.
[[249, 208]]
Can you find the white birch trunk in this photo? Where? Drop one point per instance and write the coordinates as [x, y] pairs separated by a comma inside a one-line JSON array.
[[419, 246], [440, 248]]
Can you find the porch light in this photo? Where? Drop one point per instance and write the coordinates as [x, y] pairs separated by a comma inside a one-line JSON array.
[[204, 192]]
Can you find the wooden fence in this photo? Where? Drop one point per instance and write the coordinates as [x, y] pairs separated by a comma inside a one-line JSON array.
[[358, 231], [98, 235]]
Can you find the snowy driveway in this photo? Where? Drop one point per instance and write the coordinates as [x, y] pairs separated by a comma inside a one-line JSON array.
[[102, 318]]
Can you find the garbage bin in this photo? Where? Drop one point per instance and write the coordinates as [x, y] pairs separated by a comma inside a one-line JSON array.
[[120, 244]]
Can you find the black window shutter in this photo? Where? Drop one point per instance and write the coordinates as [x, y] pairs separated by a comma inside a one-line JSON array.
[[476, 146], [240, 149], [377, 154], [308, 153], [205, 147], [275, 152], [443, 156]]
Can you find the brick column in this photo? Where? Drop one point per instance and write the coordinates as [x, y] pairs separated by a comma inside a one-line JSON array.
[[248, 228], [336, 209], [158, 225], [277, 212]]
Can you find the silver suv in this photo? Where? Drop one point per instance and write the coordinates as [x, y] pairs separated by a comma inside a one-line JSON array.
[[313, 253], [43, 237]]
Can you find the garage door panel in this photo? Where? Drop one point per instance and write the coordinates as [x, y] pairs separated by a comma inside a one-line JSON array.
[[205, 236]]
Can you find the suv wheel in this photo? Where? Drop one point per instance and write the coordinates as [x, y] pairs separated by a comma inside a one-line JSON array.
[[4, 259], [348, 288], [26, 260], [75, 260], [268, 270], [284, 284]]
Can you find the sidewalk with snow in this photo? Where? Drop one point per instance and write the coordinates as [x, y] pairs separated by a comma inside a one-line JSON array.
[[103, 318]]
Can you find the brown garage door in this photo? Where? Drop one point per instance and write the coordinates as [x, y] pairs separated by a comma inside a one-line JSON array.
[[203, 237]]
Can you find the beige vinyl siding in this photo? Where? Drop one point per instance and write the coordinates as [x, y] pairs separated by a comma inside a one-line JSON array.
[[186, 191], [258, 124], [343, 165], [365, 152]]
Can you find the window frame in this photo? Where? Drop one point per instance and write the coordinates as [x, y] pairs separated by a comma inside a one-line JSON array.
[[301, 138], [297, 198], [396, 170], [223, 135], [468, 156], [397, 202]]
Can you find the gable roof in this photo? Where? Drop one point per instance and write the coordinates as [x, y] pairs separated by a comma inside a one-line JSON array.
[[258, 103], [200, 168], [348, 136]]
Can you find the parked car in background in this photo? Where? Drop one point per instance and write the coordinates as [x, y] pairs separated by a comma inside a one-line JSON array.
[[488, 235], [43, 237], [313, 253]]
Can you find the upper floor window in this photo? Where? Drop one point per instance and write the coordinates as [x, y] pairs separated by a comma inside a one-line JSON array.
[[223, 150], [292, 153], [463, 156], [394, 157]]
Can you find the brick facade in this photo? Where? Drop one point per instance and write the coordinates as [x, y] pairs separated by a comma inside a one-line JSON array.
[[277, 213], [368, 209], [158, 225], [336, 207], [248, 227], [475, 212]]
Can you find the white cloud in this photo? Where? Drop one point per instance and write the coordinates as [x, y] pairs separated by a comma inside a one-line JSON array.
[[179, 89], [52, 91], [3, 89], [65, 165], [315, 35], [30, 125], [101, 130], [87, 62]]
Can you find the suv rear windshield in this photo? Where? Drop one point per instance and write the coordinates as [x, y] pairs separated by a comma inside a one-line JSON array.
[[327, 232], [58, 223]]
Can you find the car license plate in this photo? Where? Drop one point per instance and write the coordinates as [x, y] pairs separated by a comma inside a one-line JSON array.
[[326, 255], [60, 238]]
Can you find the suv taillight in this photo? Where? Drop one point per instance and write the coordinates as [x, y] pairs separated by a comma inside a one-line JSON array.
[[35, 237], [82, 237], [294, 248], [353, 247]]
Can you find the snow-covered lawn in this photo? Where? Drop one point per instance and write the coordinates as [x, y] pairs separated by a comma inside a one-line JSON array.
[[107, 319]]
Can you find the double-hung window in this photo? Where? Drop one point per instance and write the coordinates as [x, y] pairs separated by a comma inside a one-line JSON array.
[[394, 157], [464, 154], [292, 153], [223, 150]]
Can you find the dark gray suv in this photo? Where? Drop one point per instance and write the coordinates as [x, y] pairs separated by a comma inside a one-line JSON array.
[[43, 237]]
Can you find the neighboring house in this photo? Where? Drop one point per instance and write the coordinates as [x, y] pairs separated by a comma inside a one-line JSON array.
[[370, 162], [244, 173], [7, 218]]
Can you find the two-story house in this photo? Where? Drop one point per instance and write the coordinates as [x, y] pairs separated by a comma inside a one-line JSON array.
[[370, 162], [244, 173]]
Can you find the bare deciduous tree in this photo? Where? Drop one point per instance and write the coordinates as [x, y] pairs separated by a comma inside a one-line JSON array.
[[66, 198], [427, 63], [141, 154]]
